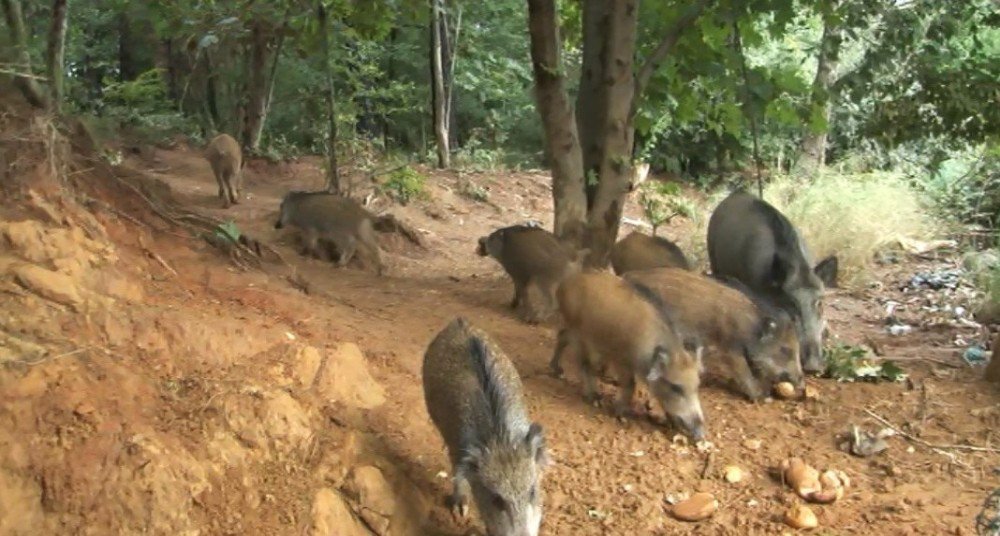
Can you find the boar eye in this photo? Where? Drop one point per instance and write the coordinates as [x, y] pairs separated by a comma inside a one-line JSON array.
[[499, 502], [533, 494], [676, 389]]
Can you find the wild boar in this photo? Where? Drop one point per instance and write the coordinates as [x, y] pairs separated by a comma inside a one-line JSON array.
[[474, 397], [608, 320], [752, 242], [758, 342]]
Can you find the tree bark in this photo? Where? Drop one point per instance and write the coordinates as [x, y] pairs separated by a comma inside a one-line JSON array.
[[617, 132], [257, 91], [55, 54], [561, 139], [812, 150], [438, 94], [19, 41], [591, 99], [332, 173]]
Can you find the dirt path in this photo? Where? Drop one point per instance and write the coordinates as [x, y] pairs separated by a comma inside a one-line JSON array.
[[609, 477], [168, 397]]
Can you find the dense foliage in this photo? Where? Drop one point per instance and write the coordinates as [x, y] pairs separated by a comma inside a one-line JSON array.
[[913, 84]]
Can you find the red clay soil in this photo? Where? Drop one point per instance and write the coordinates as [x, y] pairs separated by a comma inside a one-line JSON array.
[[149, 386]]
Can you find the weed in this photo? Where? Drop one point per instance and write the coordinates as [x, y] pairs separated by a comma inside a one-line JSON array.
[[404, 185]]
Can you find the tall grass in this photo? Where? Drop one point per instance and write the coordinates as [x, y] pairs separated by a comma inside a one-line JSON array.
[[851, 215]]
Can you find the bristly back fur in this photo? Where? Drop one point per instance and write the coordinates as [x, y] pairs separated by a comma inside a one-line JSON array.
[[666, 316], [491, 381]]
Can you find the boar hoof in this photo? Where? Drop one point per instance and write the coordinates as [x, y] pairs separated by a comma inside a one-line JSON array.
[[459, 507]]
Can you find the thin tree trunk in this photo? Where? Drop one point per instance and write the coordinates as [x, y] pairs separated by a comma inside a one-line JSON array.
[[618, 133], [558, 121], [332, 173], [256, 94], [272, 76], [812, 151], [591, 99], [19, 40], [450, 50], [438, 90], [55, 54]]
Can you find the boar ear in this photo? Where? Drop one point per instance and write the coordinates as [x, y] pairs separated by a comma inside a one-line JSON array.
[[536, 442], [826, 270], [661, 359]]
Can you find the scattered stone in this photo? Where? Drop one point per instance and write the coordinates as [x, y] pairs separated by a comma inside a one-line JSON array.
[[732, 474], [698, 507], [48, 284], [801, 517], [344, 378]]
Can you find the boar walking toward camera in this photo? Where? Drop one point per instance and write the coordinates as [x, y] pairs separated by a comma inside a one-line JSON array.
[[608, 320], [474, 397], [536, 261], [639, 251], [751, 242], [758, 342], [226, 158], [327, 220]]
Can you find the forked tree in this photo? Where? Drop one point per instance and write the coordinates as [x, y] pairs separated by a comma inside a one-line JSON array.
[[591, 150]]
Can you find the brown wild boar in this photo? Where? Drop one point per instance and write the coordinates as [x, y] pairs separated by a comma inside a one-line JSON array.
[[226, 158], [474, 397], [639, 251], [326, 220], [608, 320], [536, 261], [758, 343]]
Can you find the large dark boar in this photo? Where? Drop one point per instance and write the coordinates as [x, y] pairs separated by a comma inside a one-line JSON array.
[[474, 396], [226, 158], [536, 262], [758, 343], [326, 219], [750, 241], [607, 320], [639, 251]]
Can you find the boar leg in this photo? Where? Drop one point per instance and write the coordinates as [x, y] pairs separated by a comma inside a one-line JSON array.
[[562, 342], [586, 359], [459, 500], [346, 246], [623, 405], [744, 377]]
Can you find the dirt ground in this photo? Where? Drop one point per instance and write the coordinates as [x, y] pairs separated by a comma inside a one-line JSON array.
[[149, 386]]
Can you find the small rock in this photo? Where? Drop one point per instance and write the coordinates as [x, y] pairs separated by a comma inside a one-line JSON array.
[[732, 474], [698, 507], [784, 390], [801, 517], [752, 444]]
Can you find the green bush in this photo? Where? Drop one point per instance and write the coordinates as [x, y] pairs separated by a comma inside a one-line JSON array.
[[405, 184]]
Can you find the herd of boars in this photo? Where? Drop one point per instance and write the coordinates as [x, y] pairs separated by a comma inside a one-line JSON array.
[[759, 314]]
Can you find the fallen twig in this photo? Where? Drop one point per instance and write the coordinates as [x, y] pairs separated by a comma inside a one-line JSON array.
[[937, 448]]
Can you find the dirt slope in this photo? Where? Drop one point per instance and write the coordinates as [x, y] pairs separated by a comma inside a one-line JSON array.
[[187, 397]]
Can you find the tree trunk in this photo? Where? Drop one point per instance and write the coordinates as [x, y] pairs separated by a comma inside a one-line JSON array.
[[812, 151], [19, 41], [438, 94], [561, 140], [257, 92], [55, 54], [617, 133], [591, 99], [332, 173]]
